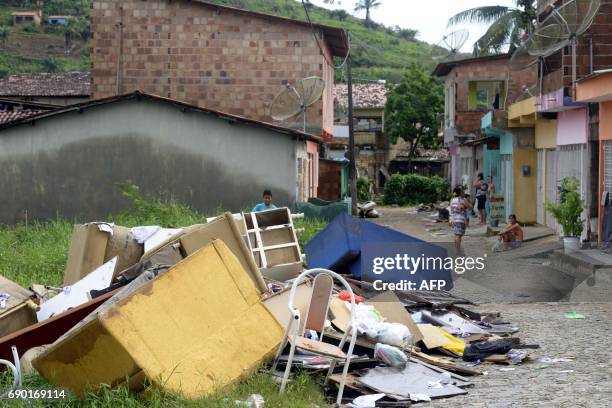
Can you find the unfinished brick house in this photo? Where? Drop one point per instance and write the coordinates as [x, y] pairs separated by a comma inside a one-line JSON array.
[[213, 56], [476, 88]]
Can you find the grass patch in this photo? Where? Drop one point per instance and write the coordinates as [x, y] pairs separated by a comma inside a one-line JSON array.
[[302, 392], [37, 253]]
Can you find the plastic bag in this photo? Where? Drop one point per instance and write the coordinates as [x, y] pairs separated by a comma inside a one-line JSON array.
[[394, 334], [391, 356]]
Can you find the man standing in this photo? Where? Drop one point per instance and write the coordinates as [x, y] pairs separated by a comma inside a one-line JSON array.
[[267, 203], [481, 197]]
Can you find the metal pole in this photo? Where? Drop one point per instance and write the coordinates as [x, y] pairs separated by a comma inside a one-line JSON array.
[[352, 165]]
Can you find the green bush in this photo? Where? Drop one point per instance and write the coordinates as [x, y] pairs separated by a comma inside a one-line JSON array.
[[402, 189], [363, 189]]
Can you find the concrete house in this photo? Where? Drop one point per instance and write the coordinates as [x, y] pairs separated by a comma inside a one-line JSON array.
[[567, 126], [213, 56], [27, 17], [67, 162]]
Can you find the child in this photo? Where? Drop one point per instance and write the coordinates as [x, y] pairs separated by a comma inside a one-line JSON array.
[[267, 203]]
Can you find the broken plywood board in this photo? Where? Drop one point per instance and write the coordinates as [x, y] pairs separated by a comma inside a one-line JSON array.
[[278, 303], [206, 310], [413, 379], [392, 309], [447, 365], [432, 338], [318, 347], [78, 293]]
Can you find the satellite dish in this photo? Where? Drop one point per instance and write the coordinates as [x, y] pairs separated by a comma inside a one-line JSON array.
[[448, 48], [561, 28], [296, 98], [575, 17]]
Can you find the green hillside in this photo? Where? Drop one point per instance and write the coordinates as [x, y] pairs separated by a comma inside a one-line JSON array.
[[31, 48], [379, 52]]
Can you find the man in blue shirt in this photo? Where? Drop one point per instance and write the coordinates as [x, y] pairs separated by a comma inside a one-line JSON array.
[[267, 203]]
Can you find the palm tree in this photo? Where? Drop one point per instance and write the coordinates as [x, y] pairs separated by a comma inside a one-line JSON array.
[[508, 25], [367, 5]]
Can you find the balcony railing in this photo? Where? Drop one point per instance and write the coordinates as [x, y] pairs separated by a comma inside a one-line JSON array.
[[377, 127]]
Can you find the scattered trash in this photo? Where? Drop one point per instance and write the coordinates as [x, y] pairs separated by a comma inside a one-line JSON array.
[[507, 369], [550, 360], [3, 298], [366, 401], [482, 350], [566, 371], [391, 356], [254, 401], [574, 315]]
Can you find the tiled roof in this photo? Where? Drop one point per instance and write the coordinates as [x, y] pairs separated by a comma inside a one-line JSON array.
[[9, 116], [46, 84], [365, 96]]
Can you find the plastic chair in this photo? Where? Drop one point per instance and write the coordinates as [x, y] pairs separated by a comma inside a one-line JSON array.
[[297, 337]]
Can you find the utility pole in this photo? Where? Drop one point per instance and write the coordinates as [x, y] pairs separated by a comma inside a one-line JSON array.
[[352, 164]]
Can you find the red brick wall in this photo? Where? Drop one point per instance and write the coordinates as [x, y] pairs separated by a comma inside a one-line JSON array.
[[221, 59], [468, 122], [601, 35], [329, 179], [462, 74]]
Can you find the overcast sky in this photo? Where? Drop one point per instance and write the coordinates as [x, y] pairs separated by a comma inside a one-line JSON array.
[[427, 16]]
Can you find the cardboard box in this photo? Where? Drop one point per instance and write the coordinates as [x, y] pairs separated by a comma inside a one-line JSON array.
[[91, 247], [198, 327], [19, 311], [225, 228]]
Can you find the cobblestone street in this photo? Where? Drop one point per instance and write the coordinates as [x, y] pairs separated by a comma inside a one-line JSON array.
[[584, 382], [529, 293]]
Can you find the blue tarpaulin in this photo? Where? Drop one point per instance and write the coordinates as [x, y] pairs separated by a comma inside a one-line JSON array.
[[339, 247]]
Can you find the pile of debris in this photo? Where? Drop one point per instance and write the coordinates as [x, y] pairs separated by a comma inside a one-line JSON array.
[[194, 309]]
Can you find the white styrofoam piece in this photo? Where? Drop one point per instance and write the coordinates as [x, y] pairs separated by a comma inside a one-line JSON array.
[[78, 293], [162, 235]]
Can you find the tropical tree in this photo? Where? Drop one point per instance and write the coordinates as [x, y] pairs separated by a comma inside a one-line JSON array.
[[507, 25], [412, 109], [367, 5]]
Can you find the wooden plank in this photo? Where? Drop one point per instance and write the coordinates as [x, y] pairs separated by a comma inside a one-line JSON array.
[[445, 364], [318, 347], [319, 302]]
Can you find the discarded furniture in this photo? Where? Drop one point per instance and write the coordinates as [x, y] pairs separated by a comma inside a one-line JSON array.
[[199, 326], [96, 243], [273, 242], [294, 333], [47, 332], [16, 309]]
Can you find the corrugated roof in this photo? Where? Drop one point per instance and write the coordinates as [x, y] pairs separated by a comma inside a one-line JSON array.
[[365, 96], [46, 84], [138, 95]]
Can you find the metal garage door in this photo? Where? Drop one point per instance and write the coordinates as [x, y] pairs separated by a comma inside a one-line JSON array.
[[506, 181], [551, 184], [607, 166], [540, 193]]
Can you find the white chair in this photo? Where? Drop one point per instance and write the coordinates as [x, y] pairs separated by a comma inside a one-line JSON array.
[[297, 339]]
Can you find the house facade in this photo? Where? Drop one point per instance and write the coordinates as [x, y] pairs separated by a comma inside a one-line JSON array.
[[567, 125], [478, 92], [213, 56], [67, 162]]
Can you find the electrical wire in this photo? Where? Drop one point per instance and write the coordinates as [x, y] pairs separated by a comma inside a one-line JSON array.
[[314, 34]]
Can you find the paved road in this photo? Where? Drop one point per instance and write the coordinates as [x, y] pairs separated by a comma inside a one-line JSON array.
[[584, 382], [517, 276]]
